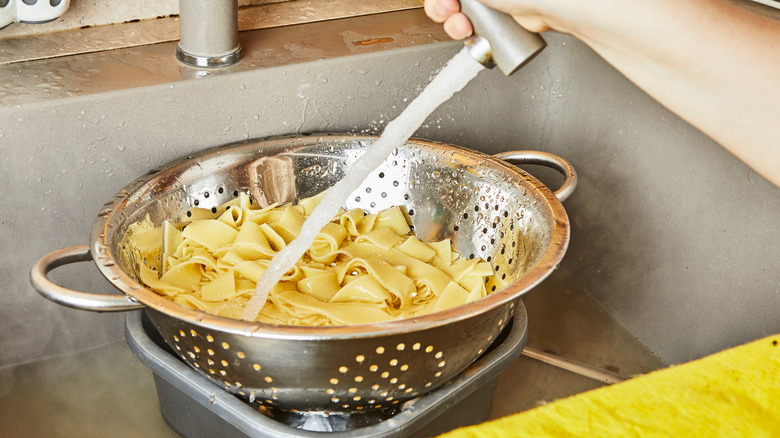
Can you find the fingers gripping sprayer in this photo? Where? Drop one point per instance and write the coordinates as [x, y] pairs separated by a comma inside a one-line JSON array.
[[500, 40]]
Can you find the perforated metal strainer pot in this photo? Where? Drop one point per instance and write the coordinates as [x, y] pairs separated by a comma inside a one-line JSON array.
[[488, 207]]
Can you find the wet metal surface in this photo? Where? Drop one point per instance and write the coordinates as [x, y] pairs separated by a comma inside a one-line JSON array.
[[108, 71], [134, 33]]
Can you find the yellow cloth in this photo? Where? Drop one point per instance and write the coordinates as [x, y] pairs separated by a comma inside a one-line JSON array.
[[734, 393]]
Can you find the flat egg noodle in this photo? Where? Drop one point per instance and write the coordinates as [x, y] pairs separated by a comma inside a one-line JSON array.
[[360, 269], [383, 272], [419, 271]]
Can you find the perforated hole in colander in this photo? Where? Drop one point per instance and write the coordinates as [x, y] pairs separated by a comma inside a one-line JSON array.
[[221, 363]]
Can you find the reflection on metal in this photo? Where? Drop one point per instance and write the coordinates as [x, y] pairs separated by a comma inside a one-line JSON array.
[[208, 61], [166, 29], [272, 180]]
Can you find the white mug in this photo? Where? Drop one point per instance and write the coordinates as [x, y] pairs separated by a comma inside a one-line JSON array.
[[40, 11], [7, 12]]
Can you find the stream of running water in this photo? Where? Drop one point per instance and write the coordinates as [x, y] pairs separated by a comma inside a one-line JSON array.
[[458, 72]]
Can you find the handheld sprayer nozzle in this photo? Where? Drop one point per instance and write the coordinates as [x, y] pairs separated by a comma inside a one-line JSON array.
[[501, 41]]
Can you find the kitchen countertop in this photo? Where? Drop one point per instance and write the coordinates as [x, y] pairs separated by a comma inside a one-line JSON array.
[[108, 389]]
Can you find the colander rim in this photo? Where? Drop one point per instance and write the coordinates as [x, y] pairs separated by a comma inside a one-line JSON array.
[[108, 264]]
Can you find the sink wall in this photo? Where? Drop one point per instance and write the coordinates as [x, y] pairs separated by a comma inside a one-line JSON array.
[[676, 238]]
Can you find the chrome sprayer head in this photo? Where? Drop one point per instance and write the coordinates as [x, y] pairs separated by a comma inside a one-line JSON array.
[[500, 40]]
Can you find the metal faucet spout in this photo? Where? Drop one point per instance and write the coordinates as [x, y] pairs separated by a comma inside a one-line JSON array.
[[209, 33], [501, 41]]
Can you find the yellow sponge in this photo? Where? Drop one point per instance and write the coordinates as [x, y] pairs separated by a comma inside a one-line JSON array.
[[734, 393]]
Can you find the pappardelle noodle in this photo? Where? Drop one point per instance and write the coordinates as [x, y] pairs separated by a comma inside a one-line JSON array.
[[360, 269]]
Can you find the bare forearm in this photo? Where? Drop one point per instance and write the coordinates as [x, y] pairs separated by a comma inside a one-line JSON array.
[[710, 62], [713, 63]]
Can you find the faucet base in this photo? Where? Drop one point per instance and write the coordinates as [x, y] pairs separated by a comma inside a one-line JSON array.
[[209, 61]]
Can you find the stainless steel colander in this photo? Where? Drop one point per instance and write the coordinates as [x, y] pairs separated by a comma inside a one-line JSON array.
[[488, 207]]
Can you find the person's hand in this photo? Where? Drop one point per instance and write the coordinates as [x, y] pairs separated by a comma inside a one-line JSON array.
[[458, 26], [448, 12], [681, 53]]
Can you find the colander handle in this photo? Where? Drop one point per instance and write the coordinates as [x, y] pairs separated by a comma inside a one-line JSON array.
[[548, 160], [70, 298]]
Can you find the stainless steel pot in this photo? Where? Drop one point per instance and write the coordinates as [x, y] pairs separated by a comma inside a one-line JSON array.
[[488, 207]]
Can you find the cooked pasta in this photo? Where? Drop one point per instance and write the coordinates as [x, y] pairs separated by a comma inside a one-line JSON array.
[[361, 268]]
